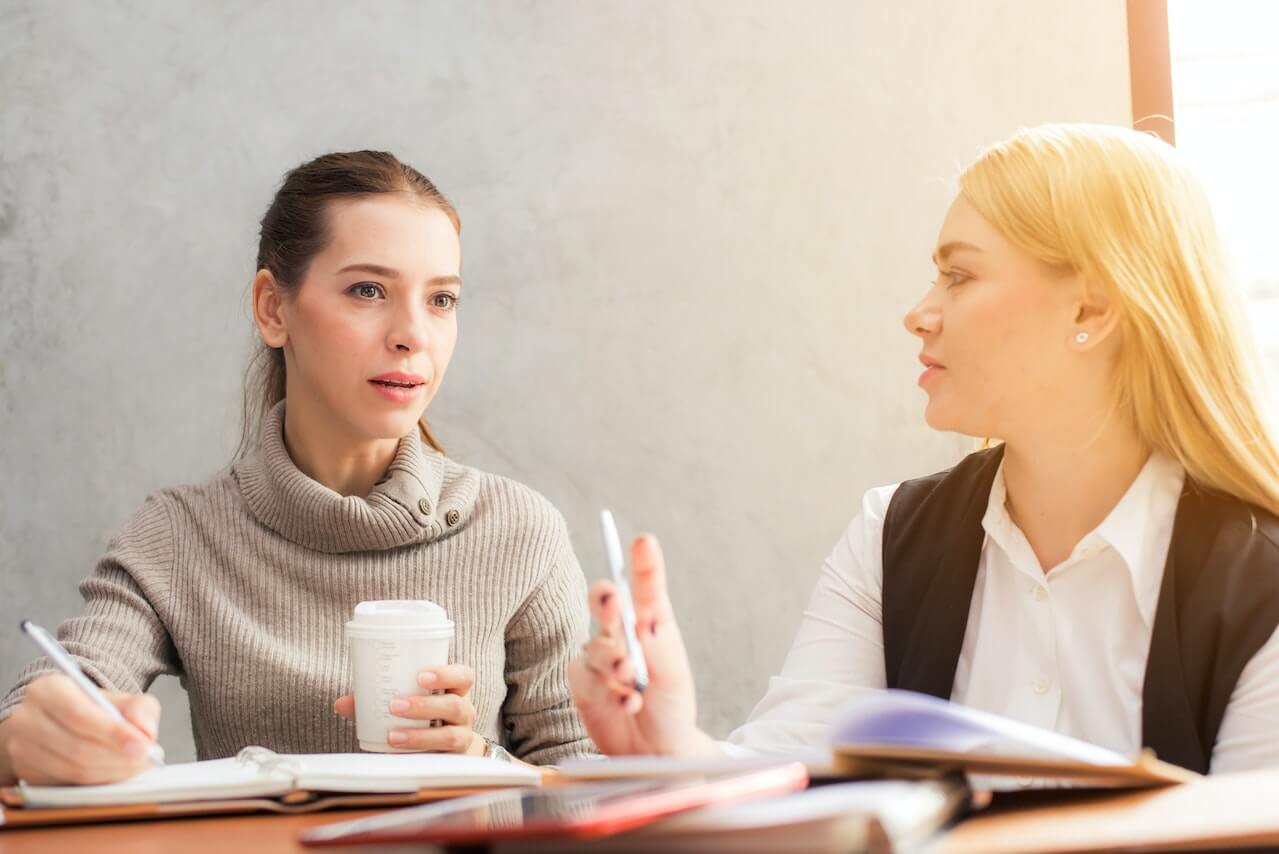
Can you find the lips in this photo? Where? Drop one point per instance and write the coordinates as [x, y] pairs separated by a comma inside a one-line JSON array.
[[932, 368], [929, 362], [398, 379], [398, 387]]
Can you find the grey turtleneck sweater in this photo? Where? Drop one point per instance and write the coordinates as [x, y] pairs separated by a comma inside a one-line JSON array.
[[241, 586]]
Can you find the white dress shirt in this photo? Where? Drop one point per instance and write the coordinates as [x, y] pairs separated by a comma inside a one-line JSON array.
[[1064, 650]]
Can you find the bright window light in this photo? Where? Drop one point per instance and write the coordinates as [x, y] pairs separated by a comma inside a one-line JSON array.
[[1225, 83]]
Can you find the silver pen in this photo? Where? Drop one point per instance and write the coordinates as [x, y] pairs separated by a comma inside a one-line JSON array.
[[63, 661], [613, 548]]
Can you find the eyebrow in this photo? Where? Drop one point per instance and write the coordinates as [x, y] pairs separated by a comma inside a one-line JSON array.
[[391, 273], [944, 251]]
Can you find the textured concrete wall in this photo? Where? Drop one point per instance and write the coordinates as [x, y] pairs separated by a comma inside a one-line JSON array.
[[691, 230]]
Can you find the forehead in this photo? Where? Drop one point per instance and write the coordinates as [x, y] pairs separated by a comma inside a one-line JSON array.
[[392, 230], [964, 223]]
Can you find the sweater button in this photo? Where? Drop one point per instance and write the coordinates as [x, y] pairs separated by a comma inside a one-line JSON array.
[[452, 517], [424, 506]]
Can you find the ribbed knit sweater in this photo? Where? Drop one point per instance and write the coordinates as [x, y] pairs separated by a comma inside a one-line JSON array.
[[241, 586]]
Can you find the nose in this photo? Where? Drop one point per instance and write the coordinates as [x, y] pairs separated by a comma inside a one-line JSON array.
[[409, 330], [924, 319]]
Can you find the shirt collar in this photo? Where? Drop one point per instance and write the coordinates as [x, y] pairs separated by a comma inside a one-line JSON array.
[[1138, 528]]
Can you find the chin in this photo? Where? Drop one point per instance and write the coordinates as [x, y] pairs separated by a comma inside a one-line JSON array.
[[391, 425]]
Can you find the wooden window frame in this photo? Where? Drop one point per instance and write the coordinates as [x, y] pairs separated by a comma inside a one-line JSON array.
[[1150, 68]]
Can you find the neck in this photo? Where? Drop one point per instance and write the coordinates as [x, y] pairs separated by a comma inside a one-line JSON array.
[[1060, 491], [328, 455]]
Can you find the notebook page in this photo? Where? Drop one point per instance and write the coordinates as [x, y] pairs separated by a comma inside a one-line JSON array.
[[186, 781], [404, 772], [908, 719]]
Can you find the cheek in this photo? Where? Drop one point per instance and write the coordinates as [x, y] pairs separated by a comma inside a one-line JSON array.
[[331, 336], [443, 341], [997, 349]]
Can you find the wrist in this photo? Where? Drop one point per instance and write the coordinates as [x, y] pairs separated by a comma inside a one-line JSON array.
[[696, 744]]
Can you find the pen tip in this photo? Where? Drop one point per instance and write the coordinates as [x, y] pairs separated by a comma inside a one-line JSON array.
[[23, 625]]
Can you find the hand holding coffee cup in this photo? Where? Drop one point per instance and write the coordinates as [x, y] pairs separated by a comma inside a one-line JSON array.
[[407, 697]]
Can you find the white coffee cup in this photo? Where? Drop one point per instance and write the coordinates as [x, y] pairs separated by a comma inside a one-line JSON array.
[[390, 642]]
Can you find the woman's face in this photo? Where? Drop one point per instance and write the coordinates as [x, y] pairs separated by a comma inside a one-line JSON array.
[[372, 327], [997, 328]]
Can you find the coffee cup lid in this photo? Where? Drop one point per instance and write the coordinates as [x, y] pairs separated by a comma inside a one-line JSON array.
[[401, 615]]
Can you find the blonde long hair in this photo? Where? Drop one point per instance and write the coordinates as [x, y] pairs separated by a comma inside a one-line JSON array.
[[1118, 207]]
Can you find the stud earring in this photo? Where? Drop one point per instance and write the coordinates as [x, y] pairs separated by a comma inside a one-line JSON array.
[[1081, 338]]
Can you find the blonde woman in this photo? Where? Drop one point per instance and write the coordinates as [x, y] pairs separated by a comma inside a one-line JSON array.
[[1110, 569]]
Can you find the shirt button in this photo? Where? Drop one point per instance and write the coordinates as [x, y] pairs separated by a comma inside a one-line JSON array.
[[424, 506], [1041, 685], [452, 517], [1041, 594]]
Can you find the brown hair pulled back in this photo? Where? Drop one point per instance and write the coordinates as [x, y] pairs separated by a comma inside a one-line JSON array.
[[295, 229]]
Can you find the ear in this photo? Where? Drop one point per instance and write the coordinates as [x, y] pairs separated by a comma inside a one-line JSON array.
[[268, 305], [1095, 316]]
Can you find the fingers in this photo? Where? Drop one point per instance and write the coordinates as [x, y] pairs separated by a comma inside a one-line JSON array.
[[344, 706], [454, 678], [37, 763], [62, 737], [443, 739], [597, 698], [452, 709], [61, 700], [605, 609], [607, 658], [648, 581], [141, 710]]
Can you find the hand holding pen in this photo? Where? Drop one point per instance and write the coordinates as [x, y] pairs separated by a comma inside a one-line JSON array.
[[67, 730], [606, 678]]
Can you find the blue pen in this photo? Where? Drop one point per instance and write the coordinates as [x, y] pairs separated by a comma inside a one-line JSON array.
[[53, 650], [613, 547]]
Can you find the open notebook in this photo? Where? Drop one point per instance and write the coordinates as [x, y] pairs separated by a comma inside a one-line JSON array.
[[890, 733], [893, 732], [259, 779]]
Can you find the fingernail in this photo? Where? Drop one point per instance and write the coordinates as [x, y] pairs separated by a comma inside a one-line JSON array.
[[396, 737], [633, 702], [399, 706], [427, 677]]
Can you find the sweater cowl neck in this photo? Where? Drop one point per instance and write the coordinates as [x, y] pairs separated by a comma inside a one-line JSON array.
[[420, 497]]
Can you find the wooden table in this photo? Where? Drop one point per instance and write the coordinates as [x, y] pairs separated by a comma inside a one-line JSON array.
[[245, 834], [1227, 812]]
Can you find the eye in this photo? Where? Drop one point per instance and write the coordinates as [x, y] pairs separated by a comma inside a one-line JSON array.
[[444, 301], [365, 290], [953, 278]]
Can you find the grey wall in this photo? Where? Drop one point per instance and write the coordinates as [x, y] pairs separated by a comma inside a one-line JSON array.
[[691, 230]]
